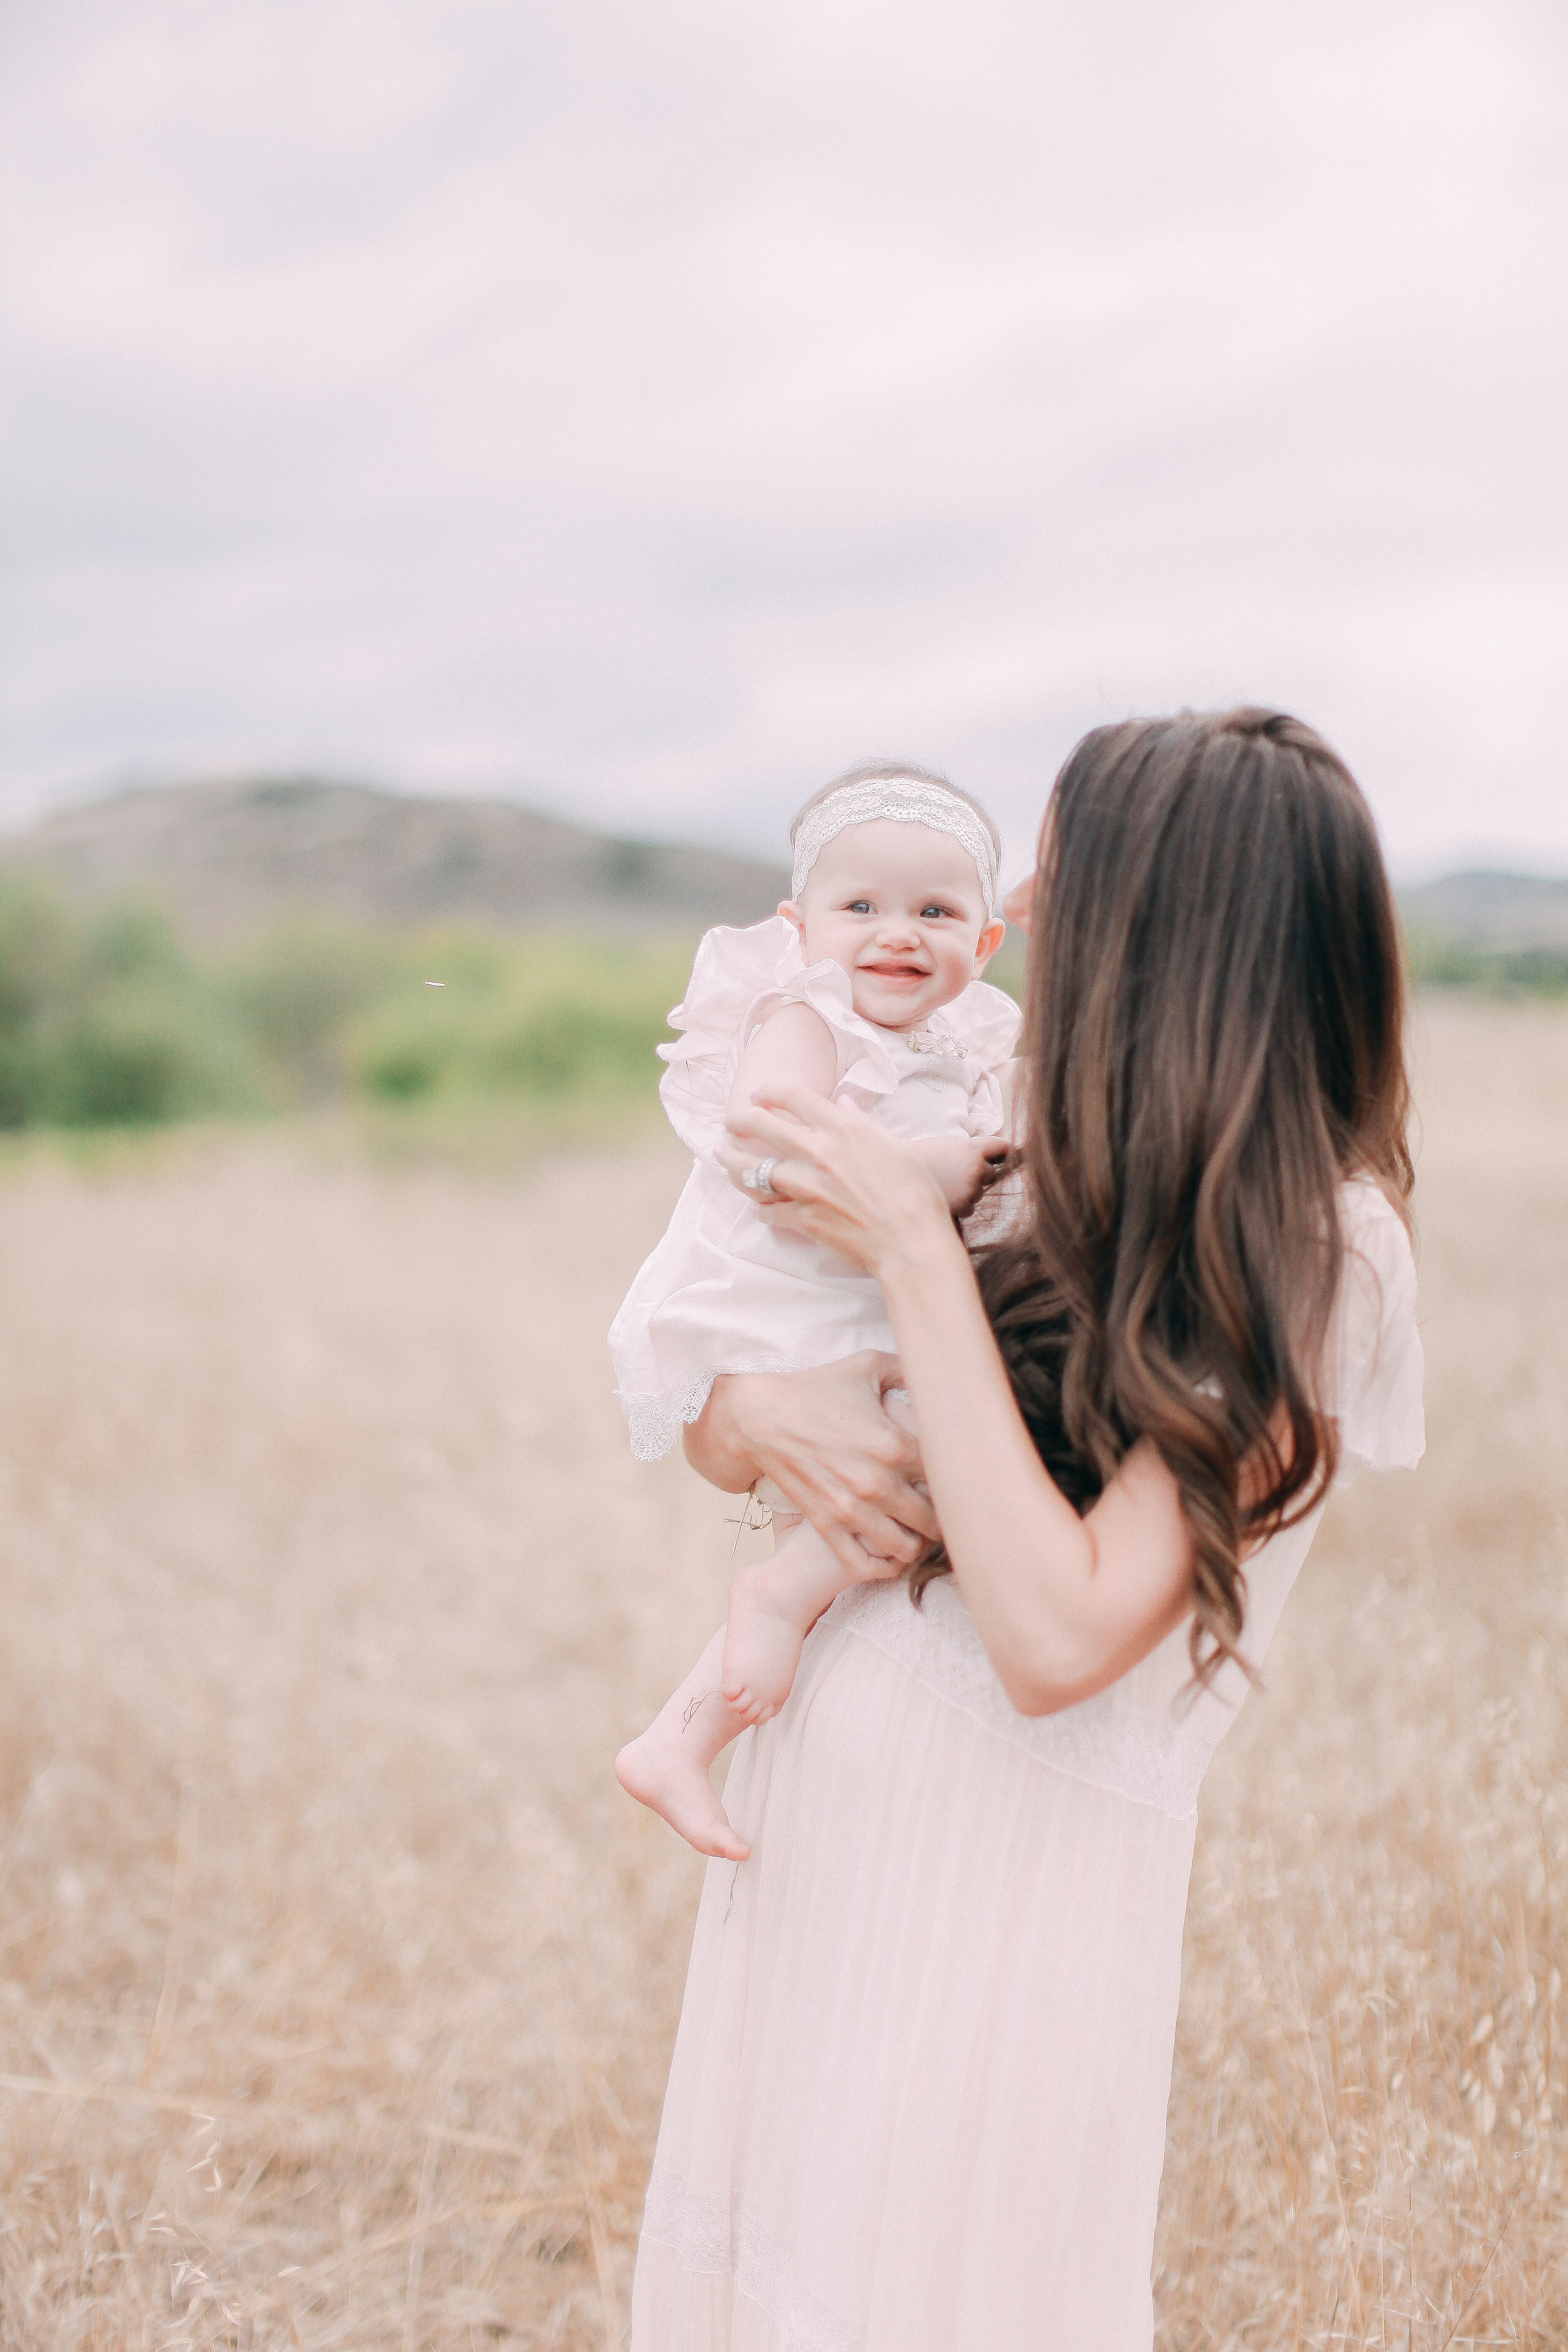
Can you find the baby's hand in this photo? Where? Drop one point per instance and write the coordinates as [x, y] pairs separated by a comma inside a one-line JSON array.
[[962, 1166]]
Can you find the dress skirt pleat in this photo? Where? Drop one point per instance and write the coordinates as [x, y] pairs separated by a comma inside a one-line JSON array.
[[925, 2025]]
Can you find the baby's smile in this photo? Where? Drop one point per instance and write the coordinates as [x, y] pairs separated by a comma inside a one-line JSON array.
[[901, 908], [891, 968]]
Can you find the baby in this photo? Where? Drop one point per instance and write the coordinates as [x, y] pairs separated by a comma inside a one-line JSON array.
[[866, 987]]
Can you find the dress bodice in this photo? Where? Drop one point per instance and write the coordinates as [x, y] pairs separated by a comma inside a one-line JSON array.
[[727, 1290], [939, 1080]]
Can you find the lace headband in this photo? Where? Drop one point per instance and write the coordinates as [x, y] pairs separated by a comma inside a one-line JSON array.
[[906, 801]]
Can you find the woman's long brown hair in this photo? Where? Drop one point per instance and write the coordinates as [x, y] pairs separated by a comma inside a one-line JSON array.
[[1214, 1042]]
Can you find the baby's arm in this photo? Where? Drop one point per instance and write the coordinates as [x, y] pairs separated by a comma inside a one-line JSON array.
[[963, 1165], [794, 1046]]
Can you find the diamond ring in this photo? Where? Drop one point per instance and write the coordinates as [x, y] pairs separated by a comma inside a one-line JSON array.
[[759, 1180]]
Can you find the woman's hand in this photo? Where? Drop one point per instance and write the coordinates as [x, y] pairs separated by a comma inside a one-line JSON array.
[[823, 1437], [839, 1178]]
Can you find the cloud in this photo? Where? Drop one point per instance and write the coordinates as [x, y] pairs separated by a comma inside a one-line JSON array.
[[650, 411]]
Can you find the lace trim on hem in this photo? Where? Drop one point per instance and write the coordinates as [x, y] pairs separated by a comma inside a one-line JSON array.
[[654, 1422], [1100, 1740], [717, 2237]]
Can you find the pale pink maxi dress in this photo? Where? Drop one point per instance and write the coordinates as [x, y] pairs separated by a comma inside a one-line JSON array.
[[918, 2096]]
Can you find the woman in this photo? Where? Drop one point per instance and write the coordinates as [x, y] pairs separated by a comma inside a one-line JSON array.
[[917, 2103]]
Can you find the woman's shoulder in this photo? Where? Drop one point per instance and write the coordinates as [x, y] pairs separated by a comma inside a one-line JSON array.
[[1365, 1207], [1375, 1345]]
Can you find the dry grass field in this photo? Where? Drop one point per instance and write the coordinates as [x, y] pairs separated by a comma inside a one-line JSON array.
[[337, 1979]]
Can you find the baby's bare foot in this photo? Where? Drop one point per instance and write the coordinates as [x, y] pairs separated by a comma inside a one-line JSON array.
[[761, 1649], [670, 1781]]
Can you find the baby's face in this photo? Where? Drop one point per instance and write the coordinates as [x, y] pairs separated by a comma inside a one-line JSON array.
[[900, 908]]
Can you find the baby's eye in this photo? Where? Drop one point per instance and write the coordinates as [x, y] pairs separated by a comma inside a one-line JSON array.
[[928, 914], [858, 906]]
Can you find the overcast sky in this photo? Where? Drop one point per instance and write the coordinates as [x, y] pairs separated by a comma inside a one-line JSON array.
[[647, 410]]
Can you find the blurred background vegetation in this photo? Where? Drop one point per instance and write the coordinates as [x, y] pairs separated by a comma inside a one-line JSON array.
[[110, 1016], [1443, 960], [440, 968]]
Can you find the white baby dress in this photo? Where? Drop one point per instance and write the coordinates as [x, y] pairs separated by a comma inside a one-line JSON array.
[[725, 1291], [918, 2097]]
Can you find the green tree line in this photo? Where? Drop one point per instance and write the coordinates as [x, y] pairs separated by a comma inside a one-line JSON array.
[[108, 1017]]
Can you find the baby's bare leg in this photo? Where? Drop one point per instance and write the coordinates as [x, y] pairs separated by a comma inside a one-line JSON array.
[[772, 1607], [667, 1767]]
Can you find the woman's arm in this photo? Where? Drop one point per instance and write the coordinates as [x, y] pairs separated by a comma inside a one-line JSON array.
[[1063, 1605]]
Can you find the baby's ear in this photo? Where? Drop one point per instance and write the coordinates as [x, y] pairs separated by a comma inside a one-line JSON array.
[[991, 938], [792, 914]]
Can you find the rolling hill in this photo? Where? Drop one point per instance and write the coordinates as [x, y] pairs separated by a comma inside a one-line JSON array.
[[1508, 912], [228, 856], [225, 856]]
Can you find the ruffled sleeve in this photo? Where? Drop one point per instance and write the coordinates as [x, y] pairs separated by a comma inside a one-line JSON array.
[[732, 968], [987, 1022], [739, 978], [867, 1069], [1376, 1342]]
